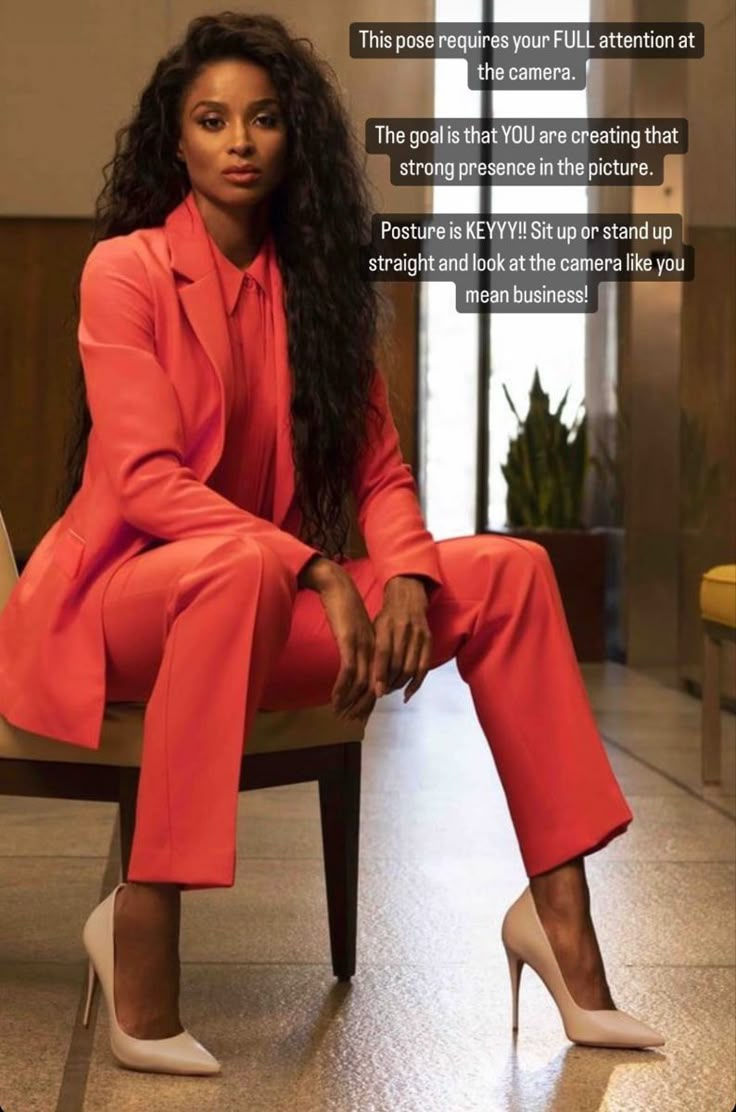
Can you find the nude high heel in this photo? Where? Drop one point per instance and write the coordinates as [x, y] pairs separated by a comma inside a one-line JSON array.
[[179, 1054], [525, 940]]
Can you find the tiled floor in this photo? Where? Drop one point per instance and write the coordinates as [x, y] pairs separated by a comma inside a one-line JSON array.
[[425, 1024]]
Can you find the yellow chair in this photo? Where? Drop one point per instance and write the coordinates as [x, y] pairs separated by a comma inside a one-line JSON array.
[[718, 614], [283, 747]]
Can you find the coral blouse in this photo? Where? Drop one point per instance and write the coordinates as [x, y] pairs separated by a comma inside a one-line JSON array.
[[245, 472]]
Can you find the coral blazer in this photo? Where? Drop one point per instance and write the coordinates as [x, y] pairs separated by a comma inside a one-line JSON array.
[[153, 341]]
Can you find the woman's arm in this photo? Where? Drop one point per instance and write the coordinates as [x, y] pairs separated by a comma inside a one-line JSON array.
[[388, 511], [135, 412]]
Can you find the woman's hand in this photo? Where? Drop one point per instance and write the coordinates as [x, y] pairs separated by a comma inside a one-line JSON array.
[[403, 638], [375, 658], [352, 694]]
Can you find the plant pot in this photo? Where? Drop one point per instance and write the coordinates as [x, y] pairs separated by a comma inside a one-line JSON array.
[[578, 557]]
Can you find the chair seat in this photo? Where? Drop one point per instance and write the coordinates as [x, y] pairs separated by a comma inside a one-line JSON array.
[[718, 595], [122, 735]]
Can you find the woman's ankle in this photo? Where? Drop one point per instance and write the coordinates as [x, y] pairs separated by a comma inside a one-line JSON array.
[[563, 890], [149, 910]]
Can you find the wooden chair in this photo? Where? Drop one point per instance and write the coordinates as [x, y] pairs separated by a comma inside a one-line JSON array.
[[718, 615], [283, 747]]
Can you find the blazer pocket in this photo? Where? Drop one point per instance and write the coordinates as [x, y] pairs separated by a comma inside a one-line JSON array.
[[68, 552]]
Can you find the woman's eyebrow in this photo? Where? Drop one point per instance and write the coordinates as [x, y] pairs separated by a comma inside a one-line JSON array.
[[253, 104]]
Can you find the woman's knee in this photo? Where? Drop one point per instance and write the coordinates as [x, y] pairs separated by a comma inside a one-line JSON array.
[[474, 566], [534, 550], [251, 561], [482, 549], [239, 565]]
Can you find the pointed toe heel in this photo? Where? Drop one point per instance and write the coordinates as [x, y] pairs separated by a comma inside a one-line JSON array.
[[525, 941], [180, 1054]]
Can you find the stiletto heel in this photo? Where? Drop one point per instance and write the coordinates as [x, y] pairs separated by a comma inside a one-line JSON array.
[[515, 966], [525, 940], [91, 982], [179, 1054]]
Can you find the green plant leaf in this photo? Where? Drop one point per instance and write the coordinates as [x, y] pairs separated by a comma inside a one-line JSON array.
[[546, 464]]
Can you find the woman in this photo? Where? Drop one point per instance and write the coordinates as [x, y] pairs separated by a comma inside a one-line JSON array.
[[199, 565]]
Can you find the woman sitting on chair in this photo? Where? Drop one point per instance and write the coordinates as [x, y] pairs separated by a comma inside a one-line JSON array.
[[230, 407]]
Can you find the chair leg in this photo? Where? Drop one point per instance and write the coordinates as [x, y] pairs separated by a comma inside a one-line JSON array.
[[711, 711], [127, 799], [339, 799]]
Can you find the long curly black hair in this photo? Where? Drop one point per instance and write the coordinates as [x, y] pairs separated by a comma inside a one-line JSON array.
[[320, 217]]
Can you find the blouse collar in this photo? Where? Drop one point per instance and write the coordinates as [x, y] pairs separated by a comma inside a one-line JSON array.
[[232, 277]]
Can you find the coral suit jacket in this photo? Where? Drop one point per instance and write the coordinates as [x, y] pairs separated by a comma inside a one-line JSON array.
[[153, 338]]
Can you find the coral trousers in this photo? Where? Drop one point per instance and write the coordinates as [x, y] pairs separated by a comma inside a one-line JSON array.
[[209, 629]]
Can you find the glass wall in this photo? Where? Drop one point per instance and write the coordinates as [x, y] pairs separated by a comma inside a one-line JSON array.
[[552, 342], [448, 339]]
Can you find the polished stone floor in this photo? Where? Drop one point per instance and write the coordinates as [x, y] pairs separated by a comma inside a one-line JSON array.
[[425, 1024]]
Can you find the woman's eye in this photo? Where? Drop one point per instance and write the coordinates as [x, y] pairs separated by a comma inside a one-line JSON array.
[[270, 120]]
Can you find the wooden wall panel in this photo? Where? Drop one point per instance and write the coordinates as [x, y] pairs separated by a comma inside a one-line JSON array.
[[708, 436], [40, 264]]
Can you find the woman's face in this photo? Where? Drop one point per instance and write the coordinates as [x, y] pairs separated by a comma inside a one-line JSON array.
[[230, 116]]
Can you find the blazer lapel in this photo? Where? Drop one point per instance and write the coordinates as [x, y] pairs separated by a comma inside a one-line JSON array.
[[202, 301]]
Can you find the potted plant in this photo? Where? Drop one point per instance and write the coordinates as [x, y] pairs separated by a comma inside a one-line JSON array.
[[545, 470]]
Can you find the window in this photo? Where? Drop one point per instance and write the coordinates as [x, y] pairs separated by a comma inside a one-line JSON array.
[[449, 341]]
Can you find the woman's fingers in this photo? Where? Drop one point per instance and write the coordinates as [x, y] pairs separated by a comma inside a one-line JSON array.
[[362, 656], [416, 661], [375, 658], [363, 706], [421, 669], [355, 641], [360, 698]]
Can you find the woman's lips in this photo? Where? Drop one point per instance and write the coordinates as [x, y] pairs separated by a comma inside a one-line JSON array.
[[243, 176]]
